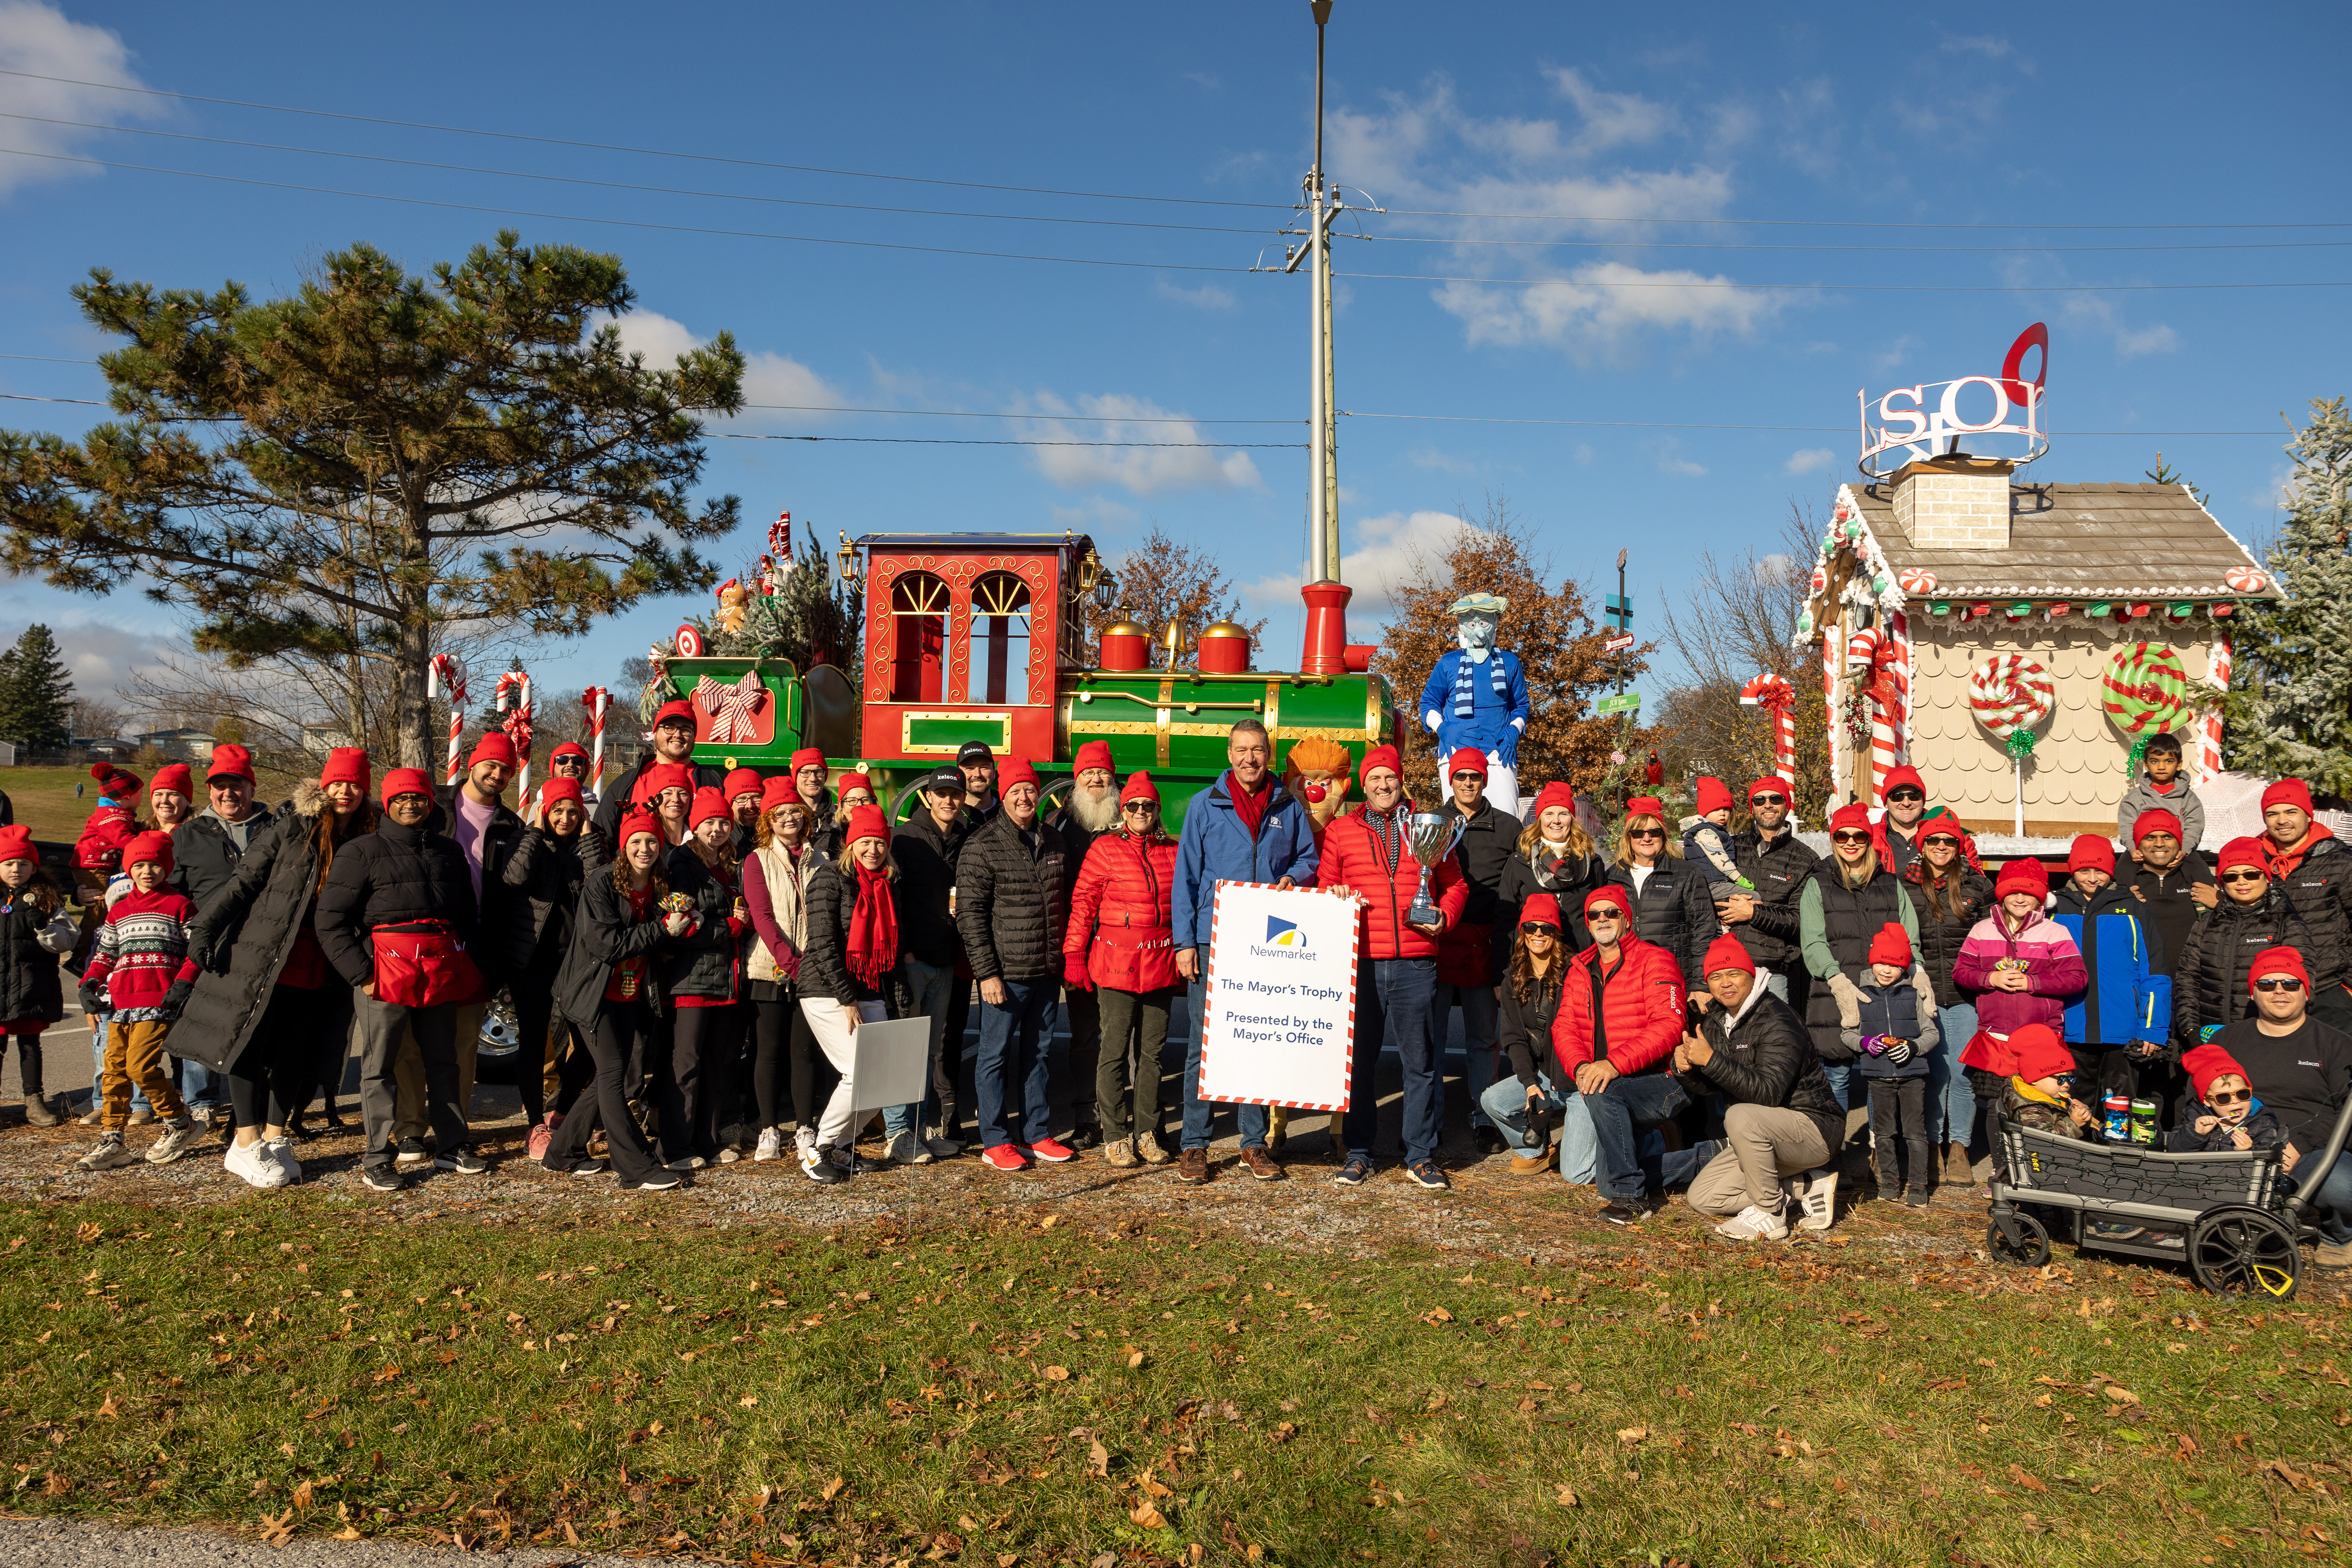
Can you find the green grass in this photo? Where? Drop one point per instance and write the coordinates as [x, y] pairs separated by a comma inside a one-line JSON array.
[[44, 801], [1018, 1391]]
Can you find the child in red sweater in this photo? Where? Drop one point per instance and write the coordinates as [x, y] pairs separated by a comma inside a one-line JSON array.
[[141, 956]]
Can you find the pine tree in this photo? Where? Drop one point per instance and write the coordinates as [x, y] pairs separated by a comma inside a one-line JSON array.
[[811, 619], [2289, 709], [36, 693]]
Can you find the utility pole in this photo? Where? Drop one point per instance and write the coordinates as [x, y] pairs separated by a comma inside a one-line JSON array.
[[1323, 480]]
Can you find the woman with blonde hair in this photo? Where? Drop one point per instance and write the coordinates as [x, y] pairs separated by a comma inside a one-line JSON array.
[[1849, 899], [1555, 856], [1667, 898]]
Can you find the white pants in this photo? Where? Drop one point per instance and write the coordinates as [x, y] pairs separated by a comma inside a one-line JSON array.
[[833, 1037], [1502, 785]]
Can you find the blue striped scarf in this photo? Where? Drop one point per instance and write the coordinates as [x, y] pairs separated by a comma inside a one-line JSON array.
[[1465, 678]]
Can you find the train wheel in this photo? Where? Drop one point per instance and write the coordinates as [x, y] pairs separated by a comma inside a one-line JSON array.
[[2018, 1239], [2241, 1250]]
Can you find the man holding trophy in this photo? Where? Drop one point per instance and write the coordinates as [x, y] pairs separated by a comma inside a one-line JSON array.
[[1398, 868]]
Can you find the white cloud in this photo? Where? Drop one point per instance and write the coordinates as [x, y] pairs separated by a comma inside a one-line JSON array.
[[1189, 462], [1990, 48], [1095, 511], [1670, 464], [1610, 119], [2095, 313], [1774, 568], [1812, 460], [788, 389], [1598, 307], [1444, 462], [1207, 296], [1389, 551], [39, 39]]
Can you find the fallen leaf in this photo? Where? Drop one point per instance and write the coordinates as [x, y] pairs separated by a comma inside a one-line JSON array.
[[1097, 1459], [2121, 1395], [112, 1407], [1134, 1359], [748, 1401], [2027, 1480], [1566, 1497], [2279, 1468], [1049, 1222], [1148, 1516], [1946, 1384], [348, 1532], [833, 1488], [1057, 1374], [88, 1231], [1438, 1315], [1284, 1433], [1632, 1434], [302, 1495]]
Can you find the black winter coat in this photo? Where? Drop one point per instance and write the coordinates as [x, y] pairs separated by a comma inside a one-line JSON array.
[[1012, 901], [506, 931], [243, 934], [824, 964], [1484, 851], [1779, 871], [542, 879], [390, 877], [1970, 899], [926, 873], [1522, 881], [604, 933], [29, 987], [1674, 910], [1768, 1058], [1850, 917], [204, 853], [709, 960], [2162, 900], [1526, 1033], [2320, 887], [2209, 979]]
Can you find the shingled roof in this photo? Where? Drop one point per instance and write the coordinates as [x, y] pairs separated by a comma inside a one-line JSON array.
[[2078, 541]]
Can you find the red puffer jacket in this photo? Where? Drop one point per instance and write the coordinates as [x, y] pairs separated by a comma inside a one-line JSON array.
[[1353, 856], [1127, 888], [1641, 1004]]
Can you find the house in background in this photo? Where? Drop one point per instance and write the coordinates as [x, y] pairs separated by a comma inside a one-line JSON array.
[[187, 744]]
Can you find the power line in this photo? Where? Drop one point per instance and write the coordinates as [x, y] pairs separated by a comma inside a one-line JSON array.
[[955, 441], [1844, 246], [1852, 223], [1679, 424]]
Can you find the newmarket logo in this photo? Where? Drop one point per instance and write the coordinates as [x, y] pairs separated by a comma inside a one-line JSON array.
[[1282, 934]]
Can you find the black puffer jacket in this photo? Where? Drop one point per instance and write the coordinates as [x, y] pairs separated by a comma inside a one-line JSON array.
[[1674, 910], [604, 933], [204, 852], [1012, 900], [709, 960], [926, 873], [2320, 889], [507, 933], [29, 987], [1768, 1058], [2208, 978], [1525, 1032], [1779, 871], [542, 878], [824, 966], [2165, 899], [1522, 880], [390, 877], [1969, 898], [242, 936]]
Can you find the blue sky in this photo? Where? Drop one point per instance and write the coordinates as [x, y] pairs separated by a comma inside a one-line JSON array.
[[2059, 137]]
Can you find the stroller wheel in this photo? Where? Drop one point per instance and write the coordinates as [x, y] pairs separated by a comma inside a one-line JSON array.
[[2018, 1239], [2241, 1250]]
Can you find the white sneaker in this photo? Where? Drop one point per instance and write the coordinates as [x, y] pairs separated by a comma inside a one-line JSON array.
[[1815, 1194], [730, 1154], [1753, 1223], [771, 1144], [246, 1162], [177, 1136], [281, 1151], [691, 1163]]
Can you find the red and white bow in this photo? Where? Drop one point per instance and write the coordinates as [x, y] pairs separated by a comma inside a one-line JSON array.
[[512, 700], [731, 707]]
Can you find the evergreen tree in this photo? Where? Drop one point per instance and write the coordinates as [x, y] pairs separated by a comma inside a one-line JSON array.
[[2289, 709], [36, 693]]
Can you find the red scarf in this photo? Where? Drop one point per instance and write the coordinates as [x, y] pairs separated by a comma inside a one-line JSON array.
[[873, 930], [1250, 808]]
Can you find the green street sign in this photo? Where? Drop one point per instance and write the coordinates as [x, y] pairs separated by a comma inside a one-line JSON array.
[[1629, 702]]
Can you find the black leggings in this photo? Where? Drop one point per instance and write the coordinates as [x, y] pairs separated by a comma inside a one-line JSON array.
[[782, 1040], [620, 1025], [534, 1000], [703, 1041], [276, 1076], [28, 1062]]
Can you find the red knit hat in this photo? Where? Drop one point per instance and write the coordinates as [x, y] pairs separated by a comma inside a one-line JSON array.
[[1728, 952], [559, 788], [1379, 757], [779, 790], [662, 776], [1139, 786], [2208, 1062], [176, 777], [847, 781], [2091, 852], [17, 844], [495, 746], [2022, 876], [2040, 1053], [2155, 819], [1897, 776], [346, 764], [1853, 813], [638, 822], [1540, 908], [1891, 945], [407, 780], [2288, 792], [1093, 754], [1607, 894], [1714, 794], [113, 783], [680, 710], [808, 757], [743, 781], [152, 846], [1646, 805], [708, 804], [1558, 793], [230, 762], [2246, 853], [1015, 771], [1466, 760], [866, 822], [2269, 962], [1772, 783]]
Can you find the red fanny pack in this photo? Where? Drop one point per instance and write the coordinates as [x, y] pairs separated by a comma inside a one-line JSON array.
[[421, 964]]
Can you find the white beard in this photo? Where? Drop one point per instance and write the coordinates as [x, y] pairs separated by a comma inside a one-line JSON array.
[[1095, 810]]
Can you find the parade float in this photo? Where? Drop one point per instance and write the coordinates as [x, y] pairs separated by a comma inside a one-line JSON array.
[[2018, 642]]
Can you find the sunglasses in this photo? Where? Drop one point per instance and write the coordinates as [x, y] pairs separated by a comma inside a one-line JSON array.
[[2279, 982], [1768, 800], [1850, 836], [1647, 833], [2244, 877], [1538, 928], [2234, 1097], [1945, 840], [1140, 808], [1604, 912], [1904, 797], [1478, 777]]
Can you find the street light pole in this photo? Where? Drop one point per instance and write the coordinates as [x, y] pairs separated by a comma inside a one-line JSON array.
[[1323, 482]]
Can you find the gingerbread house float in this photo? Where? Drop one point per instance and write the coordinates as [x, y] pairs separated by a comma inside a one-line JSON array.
[[2019, 642]]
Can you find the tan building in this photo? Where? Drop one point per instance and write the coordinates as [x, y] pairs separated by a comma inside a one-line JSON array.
[[2103, 601]]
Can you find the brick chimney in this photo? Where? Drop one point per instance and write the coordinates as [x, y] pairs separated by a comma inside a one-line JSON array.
[[1958, 502]]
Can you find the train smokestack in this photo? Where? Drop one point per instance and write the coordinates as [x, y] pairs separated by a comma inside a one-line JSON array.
[[1327, 629]]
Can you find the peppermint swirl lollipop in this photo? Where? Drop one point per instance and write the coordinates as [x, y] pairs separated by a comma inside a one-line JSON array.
[[2011, 696]]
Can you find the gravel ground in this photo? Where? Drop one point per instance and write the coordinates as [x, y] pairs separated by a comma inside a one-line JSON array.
[[68, 1543]]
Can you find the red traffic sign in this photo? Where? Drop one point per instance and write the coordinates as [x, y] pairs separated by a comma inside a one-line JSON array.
[[1619, 642]]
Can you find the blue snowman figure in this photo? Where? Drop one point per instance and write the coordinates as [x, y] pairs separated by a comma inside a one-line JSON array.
[[1478, 696]]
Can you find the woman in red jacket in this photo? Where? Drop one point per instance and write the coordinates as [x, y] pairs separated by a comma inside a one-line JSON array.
[[1620, 1015], [1121, 943]]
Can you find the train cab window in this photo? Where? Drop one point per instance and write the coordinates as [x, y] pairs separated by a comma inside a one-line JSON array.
[[999, 639], [919, 610]]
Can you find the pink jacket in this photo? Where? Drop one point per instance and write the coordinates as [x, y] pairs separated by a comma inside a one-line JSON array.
[[2054, 971]]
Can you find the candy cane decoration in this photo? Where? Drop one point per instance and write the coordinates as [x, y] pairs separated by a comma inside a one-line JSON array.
[[596, 699], [444, 673], [515, 722], [1886, 677], [2011, 695], [1833, 696], [1777, 697], [2217, 675]]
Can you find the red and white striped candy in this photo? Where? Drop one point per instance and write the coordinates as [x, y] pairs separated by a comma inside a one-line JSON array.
[[1916, 581], [2008, 692], [1777, 697]]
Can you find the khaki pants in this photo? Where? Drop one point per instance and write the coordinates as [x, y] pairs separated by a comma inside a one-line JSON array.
[[408, 1073], [1762, 1144], [134, 1055]]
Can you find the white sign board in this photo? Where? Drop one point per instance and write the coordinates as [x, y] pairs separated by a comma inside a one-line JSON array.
[[1278, 1024], [889, 1063]]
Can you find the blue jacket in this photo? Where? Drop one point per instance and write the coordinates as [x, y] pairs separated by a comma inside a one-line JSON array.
[[1494, 724], [2128, 997], [1216, 847]]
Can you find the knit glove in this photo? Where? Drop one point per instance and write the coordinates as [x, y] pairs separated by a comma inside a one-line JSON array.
[[176, 999], [1848, 996], [1897, 1051], [1073, 972], [93, 999]]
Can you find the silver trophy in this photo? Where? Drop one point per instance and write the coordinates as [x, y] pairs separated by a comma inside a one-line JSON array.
[[1431, 840]]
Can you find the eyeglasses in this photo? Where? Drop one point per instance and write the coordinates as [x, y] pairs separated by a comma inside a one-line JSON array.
[[1538, 928], [2279, 982], [1849, 835], [2244, 877], [2234, 1097], [1768, 800], [1647, 833], [1904, 797]]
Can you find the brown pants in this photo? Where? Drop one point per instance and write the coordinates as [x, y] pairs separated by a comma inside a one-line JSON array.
[[134, 1058], [1762, 1144], [408, 1073]]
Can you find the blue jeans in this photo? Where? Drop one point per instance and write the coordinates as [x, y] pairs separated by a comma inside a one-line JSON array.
[[1396, 1005], [98, 1071], [1013, 1059], [928, 985], [204, 1089], [1618, 1112], [2331, 1205], [1250, 1119], [1482, 1053], [1838, 1073], [1506, 1105], [1951, 1099]]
